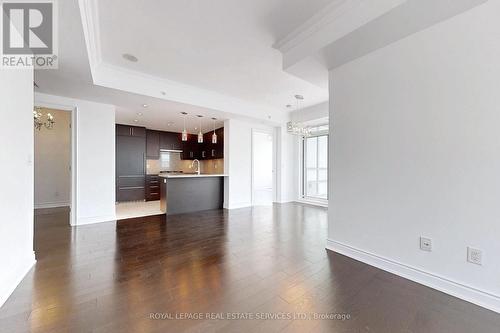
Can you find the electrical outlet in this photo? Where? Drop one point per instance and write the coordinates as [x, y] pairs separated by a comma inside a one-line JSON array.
[[425, 244], [474, 256]]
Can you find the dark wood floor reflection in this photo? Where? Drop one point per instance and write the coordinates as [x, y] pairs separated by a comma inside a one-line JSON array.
[[110, 277]]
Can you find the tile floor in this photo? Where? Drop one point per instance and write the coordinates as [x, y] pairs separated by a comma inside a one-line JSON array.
[[127, 210]]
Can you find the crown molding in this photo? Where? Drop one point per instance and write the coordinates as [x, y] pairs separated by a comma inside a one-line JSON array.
[[124, 79], [407, 19], [347, 30], [90, 22], [314, 23], [330, 24], [120, 78]]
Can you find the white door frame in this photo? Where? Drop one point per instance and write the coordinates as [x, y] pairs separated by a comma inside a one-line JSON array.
[[74, 156], [271, 133]]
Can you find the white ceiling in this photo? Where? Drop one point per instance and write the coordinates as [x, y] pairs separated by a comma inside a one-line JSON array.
[[346, 30], [73, 79], [222, 46]]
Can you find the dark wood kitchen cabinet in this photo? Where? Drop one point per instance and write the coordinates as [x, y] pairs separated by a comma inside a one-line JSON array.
[[126, 130], [159, 140], [220, 143], [170, 141], [153, 144], [209, 150], [139, 132], [152, 187], [216, 150], [130, 163], [123, 130], [206, 150], [191, 148]]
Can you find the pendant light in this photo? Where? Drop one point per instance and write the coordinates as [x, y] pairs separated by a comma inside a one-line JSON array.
[[184, 131], [200, 133], [298, 128], [214, 136]]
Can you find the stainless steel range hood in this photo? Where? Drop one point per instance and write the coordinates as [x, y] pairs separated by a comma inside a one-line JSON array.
[[170, 151]]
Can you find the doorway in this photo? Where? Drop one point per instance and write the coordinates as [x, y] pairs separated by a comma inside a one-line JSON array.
[[262, 168], [52, 162]]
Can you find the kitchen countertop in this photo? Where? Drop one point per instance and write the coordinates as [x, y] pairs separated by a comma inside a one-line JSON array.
[[191, 175]]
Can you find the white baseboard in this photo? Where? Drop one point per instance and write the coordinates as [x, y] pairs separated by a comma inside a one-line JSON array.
[[284, 201], [479, 297], [51, 205], [313, 203], [11, 279], [238, 205], [95, 219]]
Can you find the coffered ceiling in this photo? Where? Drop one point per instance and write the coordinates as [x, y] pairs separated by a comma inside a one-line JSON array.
[[222, 58], [209, 57]]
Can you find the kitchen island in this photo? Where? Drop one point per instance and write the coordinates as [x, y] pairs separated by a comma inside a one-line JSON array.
[[187, 193]]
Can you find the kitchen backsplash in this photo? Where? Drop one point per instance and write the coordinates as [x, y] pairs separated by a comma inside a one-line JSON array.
[[173, 162], [212, 166]]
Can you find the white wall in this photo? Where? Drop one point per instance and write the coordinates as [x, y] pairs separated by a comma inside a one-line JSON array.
[[53, 161], [315, 112], [416, 151], [95, 157], [288, 165], [16, 177], [263, 160], [238, 162]]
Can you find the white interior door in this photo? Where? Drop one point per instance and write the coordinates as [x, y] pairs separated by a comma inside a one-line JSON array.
[[262, 168]]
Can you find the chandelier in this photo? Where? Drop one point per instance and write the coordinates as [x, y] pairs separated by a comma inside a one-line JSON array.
[[297, 128], [39, 122]]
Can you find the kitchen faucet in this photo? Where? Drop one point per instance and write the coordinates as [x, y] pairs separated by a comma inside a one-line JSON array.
[[198, 166]]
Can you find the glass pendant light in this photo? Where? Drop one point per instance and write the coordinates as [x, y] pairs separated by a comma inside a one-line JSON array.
[[214, 136], [200, 133], [184, 132]]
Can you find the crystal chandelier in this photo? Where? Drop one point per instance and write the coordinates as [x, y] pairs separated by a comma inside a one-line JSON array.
[[38, 119], [297, 128]]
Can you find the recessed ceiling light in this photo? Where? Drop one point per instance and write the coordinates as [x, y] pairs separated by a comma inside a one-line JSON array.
[[170, 124], [299, 97], [130, 57], [145, 105], [288, 106], [135, 120], [139, 114], [163, 93]]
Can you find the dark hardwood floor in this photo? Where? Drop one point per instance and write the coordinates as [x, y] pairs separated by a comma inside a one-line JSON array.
[[266, 261]]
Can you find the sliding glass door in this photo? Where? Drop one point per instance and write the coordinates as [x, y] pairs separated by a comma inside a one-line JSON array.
[[315, 168]]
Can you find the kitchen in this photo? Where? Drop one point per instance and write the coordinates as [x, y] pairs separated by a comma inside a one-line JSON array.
[[168, 172]]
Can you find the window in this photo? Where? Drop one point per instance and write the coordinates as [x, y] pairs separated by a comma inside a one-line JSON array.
[[315, 162]]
